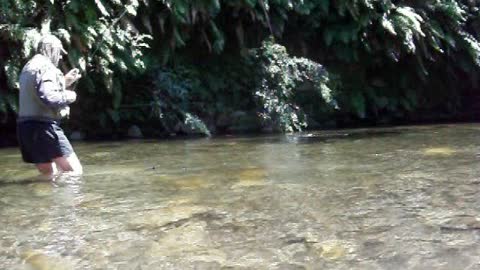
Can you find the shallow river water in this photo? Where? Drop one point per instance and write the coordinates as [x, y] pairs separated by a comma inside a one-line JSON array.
[[395, 198]]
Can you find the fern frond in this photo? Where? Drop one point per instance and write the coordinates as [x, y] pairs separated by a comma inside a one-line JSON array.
[[472, 46]]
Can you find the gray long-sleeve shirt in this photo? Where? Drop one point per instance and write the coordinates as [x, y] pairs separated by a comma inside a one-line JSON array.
[[42, 91]]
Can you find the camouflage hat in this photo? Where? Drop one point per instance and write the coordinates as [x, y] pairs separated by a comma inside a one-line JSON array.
[[52, 41]]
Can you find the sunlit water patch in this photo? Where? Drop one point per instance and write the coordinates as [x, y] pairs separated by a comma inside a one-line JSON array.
[[397, 198]]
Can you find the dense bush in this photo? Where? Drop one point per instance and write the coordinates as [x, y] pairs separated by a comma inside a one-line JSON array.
[[280, 77], [165, 62]]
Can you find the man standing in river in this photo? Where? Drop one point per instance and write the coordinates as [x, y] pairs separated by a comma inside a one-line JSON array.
[[44, 101]]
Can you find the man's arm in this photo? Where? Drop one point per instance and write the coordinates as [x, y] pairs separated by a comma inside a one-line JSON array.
[[50, 91], [71, 77]]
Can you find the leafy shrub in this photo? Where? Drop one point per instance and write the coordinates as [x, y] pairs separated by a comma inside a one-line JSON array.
[[386, 58], [280, 77]]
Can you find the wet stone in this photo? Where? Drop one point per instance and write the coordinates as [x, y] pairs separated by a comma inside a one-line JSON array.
[[461, 223], [444, 259], [77, 136], [395, 261], [89, 200], [201, 265], [191, 182], [42, 189], [294, 253], [372, 248], [38, 260], [112, 170], [134, 132], [289, 266], [250, 177], [191, 238], [164, 216], [127, 236], [439, 151], [250, 258], [121, 252], [332, 249], [100, 154]]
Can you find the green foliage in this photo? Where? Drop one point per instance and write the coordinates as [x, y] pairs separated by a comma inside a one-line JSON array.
[[389, 58], [385, 51], [280, 77], [190, 96], [170, 97]]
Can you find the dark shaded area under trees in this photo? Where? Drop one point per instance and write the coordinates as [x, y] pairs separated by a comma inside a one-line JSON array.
[[210, 66]]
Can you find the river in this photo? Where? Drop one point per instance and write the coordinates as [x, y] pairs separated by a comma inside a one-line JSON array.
[[386, 198]]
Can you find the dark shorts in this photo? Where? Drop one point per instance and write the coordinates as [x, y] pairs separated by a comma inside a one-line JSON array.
[[41, 142]]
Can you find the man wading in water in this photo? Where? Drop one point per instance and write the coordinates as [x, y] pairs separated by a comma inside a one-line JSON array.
[[44, 101]]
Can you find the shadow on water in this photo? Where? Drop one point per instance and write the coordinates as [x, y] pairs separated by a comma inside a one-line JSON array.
[[21, 182], [308, 137], [39, 179]]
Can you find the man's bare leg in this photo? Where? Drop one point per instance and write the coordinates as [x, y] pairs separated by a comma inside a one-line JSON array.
[[69, 164], [47, 170]]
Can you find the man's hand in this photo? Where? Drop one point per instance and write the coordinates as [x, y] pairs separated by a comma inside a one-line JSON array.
[[70, 96], [72, 76], [64, 112]]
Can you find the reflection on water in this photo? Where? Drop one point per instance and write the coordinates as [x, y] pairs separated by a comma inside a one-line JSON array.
[[399, 198]]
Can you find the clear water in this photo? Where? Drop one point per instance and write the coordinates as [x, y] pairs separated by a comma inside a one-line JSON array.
[[397, 198]]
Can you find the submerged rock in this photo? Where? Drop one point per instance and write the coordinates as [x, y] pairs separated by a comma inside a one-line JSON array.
[[439, 151], [42, 189], [332, 249], [100, 154], [123, 170], [165, 216], [461, 223], [134, 132], [250, 177], [242, 121], [89, 200], [191, 182], [37, 260], [191, 237], [77, 136]]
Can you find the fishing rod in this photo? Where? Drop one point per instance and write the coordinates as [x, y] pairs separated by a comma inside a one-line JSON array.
[[108, 28]]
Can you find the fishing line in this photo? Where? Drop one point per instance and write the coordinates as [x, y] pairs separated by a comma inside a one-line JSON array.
[[97, 45]]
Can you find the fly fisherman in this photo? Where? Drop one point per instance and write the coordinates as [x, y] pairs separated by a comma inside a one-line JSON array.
[[44, 101]]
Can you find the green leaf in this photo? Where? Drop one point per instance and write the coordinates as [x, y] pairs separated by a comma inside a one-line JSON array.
[[3, 105], [179, 42], [381, 102], [406, 104], [358, 103], [219, 39], [251, 3], [450, 40], [117, 94], [102, 8], [328, 37], [388, 25], [114, 115], [324, 6], [12, 103]]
